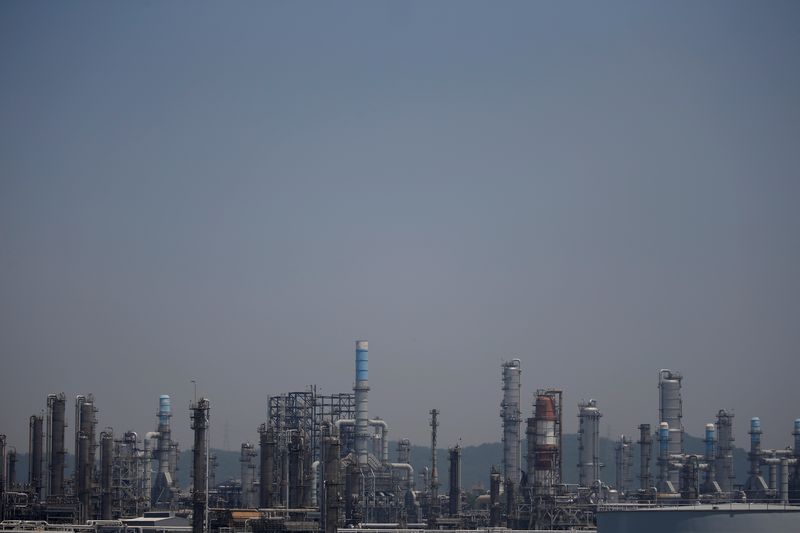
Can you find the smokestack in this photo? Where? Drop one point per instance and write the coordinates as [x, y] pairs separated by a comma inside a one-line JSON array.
[[361, 390], [35, 454], [200, 412], [57, 406], [106, 458]]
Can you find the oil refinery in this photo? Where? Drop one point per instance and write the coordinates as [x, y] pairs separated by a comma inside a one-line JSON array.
[[323, 462]]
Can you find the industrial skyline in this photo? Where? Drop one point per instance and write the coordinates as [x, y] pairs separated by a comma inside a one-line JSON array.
[[232, 193]]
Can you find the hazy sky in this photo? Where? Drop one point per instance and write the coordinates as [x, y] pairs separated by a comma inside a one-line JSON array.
[[234, 192]]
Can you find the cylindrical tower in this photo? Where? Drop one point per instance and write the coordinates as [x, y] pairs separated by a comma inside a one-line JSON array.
[[796, 434], [663, 458], [494, 498], [35, 442], [512, 417], [589, 443], [725, 475], [361, 390], [670, 410], [545, 445], [455, 481], [164, 433], [200, 412], [106, 461], [404, 451], [645, 457], [57, 408], [710, 451], [332, 483], [2, 471], [623, 454], [267, 441], [248, 475]]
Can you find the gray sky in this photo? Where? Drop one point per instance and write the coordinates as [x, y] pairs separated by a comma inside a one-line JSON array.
[[234, 192]]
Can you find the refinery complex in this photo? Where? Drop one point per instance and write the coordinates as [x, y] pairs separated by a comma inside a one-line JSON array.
[[324, 462]]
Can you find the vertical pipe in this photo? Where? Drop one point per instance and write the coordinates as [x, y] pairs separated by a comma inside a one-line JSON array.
[[200, 412], [361, 390], [106, 458]]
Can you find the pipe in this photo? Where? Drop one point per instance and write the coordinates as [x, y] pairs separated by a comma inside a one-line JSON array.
[[409, 473], [372, 422]]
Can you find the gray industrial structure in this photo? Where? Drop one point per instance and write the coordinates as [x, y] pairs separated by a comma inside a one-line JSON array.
[[322, 463]]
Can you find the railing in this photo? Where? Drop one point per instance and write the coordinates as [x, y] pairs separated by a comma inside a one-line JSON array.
[[696, 506]]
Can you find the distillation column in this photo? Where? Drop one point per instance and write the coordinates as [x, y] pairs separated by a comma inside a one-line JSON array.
[[725, 475], [162, 488], [267, 441], [332, 481], [544, 444], [85, 424], [35, 442], [670, 410], [624, 463], [645, 457], [57, 408], [512, 416], [106, 460], [361, 390], [248, 476], [589, 443], [200, 412], [710, 441], [455, 481]]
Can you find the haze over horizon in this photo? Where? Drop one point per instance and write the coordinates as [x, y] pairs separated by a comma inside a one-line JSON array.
[[233, 193]]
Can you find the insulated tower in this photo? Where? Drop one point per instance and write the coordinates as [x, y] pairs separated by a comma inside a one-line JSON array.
[[511, 415]]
